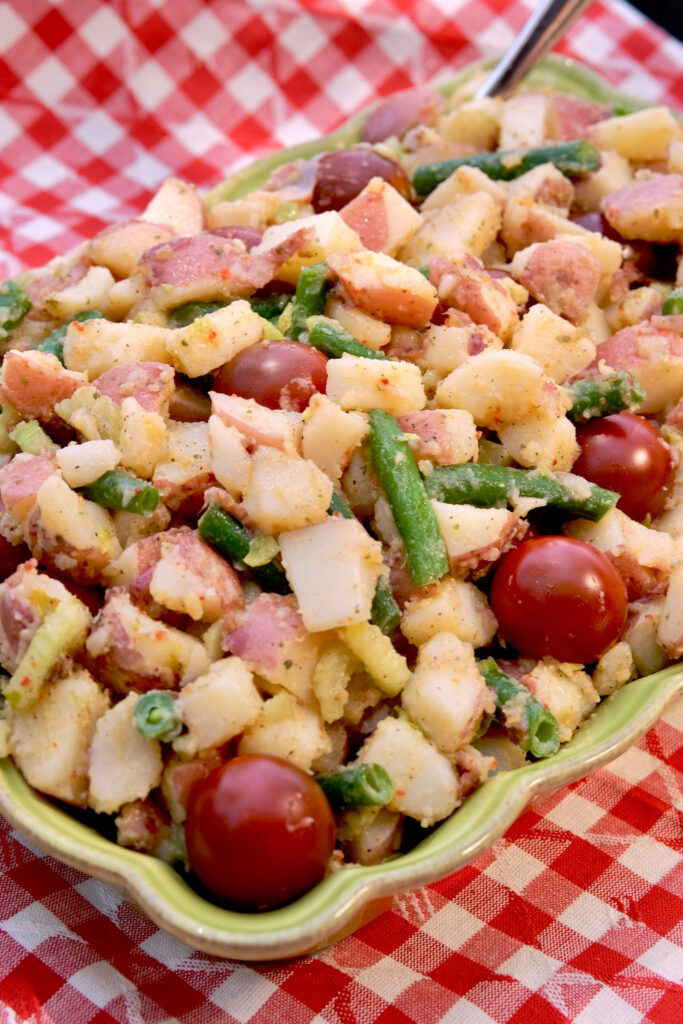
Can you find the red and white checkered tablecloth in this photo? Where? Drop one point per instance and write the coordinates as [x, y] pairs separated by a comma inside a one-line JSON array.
[[576, 914]]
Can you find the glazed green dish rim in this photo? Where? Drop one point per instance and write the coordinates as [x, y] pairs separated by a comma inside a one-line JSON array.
[[333, 907]]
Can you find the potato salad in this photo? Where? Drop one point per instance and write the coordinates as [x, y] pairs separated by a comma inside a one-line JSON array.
[[322, 502]]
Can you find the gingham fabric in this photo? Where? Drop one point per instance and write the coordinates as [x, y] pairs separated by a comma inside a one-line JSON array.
[[576, 914]]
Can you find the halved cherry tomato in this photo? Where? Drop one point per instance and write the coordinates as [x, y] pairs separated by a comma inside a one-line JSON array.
[[341, 175], [260, 831], [277, 374], [625, 453], [561, 597]]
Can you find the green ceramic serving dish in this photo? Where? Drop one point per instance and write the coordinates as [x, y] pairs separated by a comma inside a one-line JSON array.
[[343, 901]]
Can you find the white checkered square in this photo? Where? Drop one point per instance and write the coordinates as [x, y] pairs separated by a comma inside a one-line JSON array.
[[151, 85], [33, 925], [575, 814], [101, 983], [204, 34], [514, 868], [388, 978], [649, 859], [453, 926], [302, 38], [243, 993], [400, 42], [103, 31], [664, 959], [531, 967], [50, 81], [46, 172], [251, 87], [349, 88], [607, 1006], [589, 916], [198, 134]]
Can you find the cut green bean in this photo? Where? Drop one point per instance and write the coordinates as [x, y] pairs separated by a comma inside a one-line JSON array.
[[188, 312], [14, 305], [233, 541], [334, 341], [340, 506], [123, 491], [537, 728], [155, 716], [574, 159], [604, 396], [385, 612], [426, 555], [270, 306], [362, 785], [488, 486], [673, 305], [309, 299], [54, 342]]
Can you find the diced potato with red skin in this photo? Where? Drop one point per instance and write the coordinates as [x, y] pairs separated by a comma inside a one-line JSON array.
[[50, 741], [124, 765], [467, 224], [381, 217], [127, 649], [90, 292], [219, 704], [425, 782], [641, 136], [526, 222], [565, 690], [561, 274], [180, 775], [385, 288], [649, 208], [230, 461], [20, 481], [67, 531], [271, 639], [444, 436], [119, 246], [447, 695], [654, 357], [643, 557], [374, 333], [670, 626], [327, 235], [545, 185], [357, 383], [180, 572], [449, 606], [446, 346], [500, 387], [151, 384], [144, 825], [476, 537], [177, 205], [33, 382], [330, 435], [275, 428], [26, 597], [287, 728], [463, 284], [352, 559], [464, 181], [561, 349], [285, 491]]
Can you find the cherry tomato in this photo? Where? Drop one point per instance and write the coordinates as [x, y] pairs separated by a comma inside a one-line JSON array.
[[561, 597], [342, 175], [656, 261], [625, 453], [278, 374], [260, 831]]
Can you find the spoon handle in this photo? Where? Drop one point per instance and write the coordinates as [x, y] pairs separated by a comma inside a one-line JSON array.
[[547, 24]]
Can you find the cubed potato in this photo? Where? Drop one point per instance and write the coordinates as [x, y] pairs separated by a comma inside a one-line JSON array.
[[142, 438], [476, 122], [365, 328], [352, 559], [356, 383], [542, 440], [120, 246], [51, 740], [230, 461], [90, 292], [614, 172], [330, 435], [464, 181], [449, 606], [468, 224], [185, 464], [275, 428], [475, 537], [82, 463], [329, 235], [523, 121], [287, 728], [285, 492], [565, 690], [219, 704], [124, 764], [257, 210], [385, 288], [80, 528], [96, 345], [177, 205], [214, 339], [381, 217], [558, 346], [643, 136]]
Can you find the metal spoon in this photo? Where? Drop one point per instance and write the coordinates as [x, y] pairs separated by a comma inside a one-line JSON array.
[[547, 24]]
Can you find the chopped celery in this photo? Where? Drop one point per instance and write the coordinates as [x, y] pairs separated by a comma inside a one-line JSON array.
[[32, 439]]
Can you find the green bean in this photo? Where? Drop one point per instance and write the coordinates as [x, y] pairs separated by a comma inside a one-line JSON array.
[[270, 306], [54, 342], [155, 715], [334, 341], [184, 315], [385, 612], [14, 305], [537, 727], [673, 305], [118, 490], [233, 541], [574, 159], [362, 785], [603, 396], [488, 486], [309, 299], [426, 555], [340, 506]]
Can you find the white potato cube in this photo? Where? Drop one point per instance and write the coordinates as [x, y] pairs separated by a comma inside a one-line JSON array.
[[51, 740], [90, 292], [644, 135], [82, 463], [523, 121], [385, 287], [96, 345], [177, 205], [449, 606], [561, 349], [357, 383], [365, 328], [277, 428], [124, 764], [81, 524], [565, 690], [285, 492], [475, 535], [219, 704], [425, 781], [342, 594], [542, 440], [330, 435], [287, 728], [214, 339], [468, 224], [329, 235], [381, 217], [142, 437], [230, 461]]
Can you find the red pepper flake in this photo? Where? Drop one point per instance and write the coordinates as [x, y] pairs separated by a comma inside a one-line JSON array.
[[26, 681], [160, 634]]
